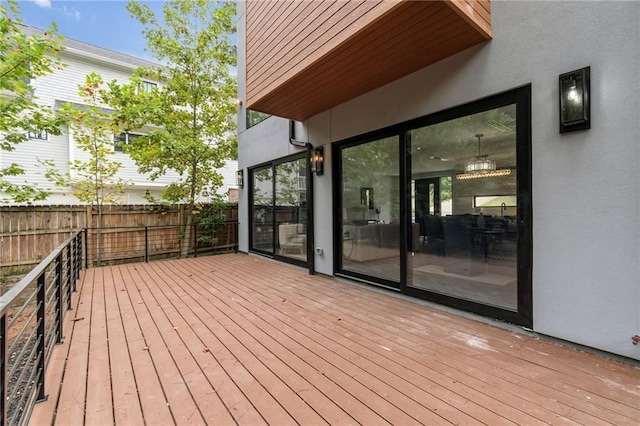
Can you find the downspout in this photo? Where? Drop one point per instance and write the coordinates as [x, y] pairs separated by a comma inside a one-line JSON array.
[[310, 228], [292, 137]]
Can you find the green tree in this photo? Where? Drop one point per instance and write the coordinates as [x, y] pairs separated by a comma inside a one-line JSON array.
[[193, 110], [23, 58], [94, 179]]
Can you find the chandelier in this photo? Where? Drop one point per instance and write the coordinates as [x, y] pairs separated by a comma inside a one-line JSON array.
[[481, 166]]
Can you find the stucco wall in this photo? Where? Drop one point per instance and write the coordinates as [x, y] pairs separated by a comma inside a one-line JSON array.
[[586, 192]]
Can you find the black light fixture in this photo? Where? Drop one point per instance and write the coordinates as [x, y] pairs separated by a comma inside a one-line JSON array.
[[575, 103], [317, 161], [240, 178]]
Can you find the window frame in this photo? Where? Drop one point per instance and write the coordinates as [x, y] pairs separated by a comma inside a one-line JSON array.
[[260, 117], [118, 145], [148, 86], [38, 135]]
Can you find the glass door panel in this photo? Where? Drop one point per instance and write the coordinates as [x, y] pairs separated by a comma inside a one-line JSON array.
[[291, 209], [370, 202], [464, 174], [262, 210]]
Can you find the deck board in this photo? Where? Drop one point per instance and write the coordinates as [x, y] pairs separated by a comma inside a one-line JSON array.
[[153, 402], [72, 399], [126, 402], [99, 403], [235, 339]]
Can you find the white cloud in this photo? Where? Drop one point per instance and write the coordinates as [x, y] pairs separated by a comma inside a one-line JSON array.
[[70, 12], [43, 3]]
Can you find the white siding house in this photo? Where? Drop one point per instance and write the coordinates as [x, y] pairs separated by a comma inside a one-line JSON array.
[[62, 86]]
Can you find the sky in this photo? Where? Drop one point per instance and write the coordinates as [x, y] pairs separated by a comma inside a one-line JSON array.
[[103, 23]]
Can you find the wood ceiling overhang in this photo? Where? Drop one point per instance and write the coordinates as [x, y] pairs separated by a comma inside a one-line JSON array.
[[304, 57]]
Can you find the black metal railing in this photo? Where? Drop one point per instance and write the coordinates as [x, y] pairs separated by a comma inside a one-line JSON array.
[[128, 244], [31, 320]]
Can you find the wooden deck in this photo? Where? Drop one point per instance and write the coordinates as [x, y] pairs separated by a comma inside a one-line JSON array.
[[235, 339]]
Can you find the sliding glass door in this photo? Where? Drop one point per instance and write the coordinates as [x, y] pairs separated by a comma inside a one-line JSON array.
[[291, 209], [279, 213], [464, 173], [440, 207], [370, 216], [262, 203]]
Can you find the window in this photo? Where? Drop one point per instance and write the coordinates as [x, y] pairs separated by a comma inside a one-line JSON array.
[[255, 117], [148, 86], [119, 141], [39, 134], [495, 201]]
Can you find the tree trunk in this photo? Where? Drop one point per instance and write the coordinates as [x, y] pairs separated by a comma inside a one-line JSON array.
[[186, 241], [187, 231], [98, 234]]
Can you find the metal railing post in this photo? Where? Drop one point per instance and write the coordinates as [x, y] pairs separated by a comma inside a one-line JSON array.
[[80, 250], [146, 244], [86, 248], [71, 254], [3, 369], [41, 336], [60, 296], [70, 277]]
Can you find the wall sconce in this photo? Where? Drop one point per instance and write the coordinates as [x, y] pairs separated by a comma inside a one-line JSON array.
[[240, 178], [575, 105], [317, 161]]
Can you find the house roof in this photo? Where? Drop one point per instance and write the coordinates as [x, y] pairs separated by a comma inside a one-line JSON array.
[[86, 49]]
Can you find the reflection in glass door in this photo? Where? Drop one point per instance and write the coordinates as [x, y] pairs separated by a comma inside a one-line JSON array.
[[262, 210], [464, 175], [291, 209], [370, 204]]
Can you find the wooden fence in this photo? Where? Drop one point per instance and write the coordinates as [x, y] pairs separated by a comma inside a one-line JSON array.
[[29, 233]]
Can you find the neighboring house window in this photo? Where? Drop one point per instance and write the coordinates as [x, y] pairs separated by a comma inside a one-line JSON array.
[[255, 117], [149, 86], [119, 141], [39, 134]]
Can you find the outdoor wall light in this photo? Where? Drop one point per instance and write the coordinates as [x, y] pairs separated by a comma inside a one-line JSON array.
[[317, 161], [575, 105], [240, 178]]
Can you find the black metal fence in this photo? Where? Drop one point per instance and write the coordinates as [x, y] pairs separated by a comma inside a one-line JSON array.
[[128, 244], [31, 319]]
